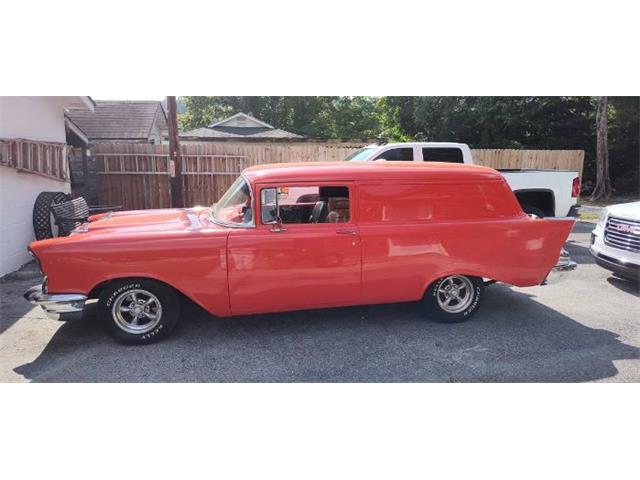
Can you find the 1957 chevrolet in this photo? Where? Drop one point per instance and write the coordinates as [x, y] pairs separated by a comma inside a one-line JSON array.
[[300, 236]]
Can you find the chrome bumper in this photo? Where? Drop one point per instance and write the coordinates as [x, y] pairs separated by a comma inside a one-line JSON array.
[[564, 266], [55, 305]]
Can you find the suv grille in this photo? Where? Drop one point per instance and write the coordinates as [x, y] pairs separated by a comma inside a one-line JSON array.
[[624, 234]]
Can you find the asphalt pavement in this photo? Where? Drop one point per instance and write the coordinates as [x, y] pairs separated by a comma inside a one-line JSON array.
[[585, 329]]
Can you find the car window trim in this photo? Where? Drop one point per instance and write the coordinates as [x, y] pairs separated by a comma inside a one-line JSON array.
[[253, 203], [338, 183]]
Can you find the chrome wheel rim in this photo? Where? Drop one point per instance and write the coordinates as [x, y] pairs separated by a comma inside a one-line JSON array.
[[455, 294], [136, 311]]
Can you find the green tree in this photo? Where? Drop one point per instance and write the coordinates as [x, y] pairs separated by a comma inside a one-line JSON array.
[[481, 122], [624, 144]]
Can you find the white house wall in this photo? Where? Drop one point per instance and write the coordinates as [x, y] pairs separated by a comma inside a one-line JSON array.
[[33, 118], [18, 192]]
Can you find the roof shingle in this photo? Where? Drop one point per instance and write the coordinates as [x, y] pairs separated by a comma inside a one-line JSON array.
[[237, 132], [119, 120], [238, 126]]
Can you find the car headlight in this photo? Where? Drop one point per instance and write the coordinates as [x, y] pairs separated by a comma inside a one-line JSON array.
[[35, 257], [603, 218]]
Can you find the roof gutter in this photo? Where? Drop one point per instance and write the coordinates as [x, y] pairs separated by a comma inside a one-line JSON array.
[[76, 130]]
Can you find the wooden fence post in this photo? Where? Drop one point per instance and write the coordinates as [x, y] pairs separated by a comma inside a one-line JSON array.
[[177, 199]]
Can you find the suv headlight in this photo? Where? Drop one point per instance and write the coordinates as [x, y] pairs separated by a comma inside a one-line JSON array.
[[603, 218]]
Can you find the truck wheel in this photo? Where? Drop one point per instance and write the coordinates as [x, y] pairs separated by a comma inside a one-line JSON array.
[[453, 299], [137, 311], [533, 211]]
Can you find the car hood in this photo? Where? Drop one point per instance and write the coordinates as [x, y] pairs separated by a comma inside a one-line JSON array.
[[140, 221], [628, 211]]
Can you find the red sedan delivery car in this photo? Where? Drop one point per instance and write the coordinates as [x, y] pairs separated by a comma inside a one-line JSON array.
[[301, 236]]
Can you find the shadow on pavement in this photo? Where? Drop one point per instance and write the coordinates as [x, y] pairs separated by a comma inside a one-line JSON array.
[[12, 287], [579, 250], [579, 253], [513, 338], [583, 227], [625, 285]]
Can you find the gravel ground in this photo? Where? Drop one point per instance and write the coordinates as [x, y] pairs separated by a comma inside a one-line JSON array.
[[585, 329]]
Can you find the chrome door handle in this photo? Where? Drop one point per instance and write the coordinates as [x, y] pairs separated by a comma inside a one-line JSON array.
[[346, 232]]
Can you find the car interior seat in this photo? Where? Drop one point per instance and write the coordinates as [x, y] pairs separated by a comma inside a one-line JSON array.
[[338, 210], [319, 212]]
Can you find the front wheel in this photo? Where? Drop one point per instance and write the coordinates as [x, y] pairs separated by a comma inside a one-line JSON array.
[[453, 299], [138, 311]]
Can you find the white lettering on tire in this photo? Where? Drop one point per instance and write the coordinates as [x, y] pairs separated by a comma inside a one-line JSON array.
[[113, 296]]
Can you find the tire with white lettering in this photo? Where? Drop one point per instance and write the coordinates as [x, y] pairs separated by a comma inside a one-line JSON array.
[[453, 299], [137, 311]]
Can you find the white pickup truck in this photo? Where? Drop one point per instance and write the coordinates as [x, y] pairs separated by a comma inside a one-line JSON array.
[[545, 193]]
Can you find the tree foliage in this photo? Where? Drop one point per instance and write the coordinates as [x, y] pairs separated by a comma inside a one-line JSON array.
[[481, 122]]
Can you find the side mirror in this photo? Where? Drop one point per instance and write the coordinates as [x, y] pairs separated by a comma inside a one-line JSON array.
[[277, 225], [269, 198]]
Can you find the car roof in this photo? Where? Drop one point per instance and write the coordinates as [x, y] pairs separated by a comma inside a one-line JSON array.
[[372, 171], [419, 144]]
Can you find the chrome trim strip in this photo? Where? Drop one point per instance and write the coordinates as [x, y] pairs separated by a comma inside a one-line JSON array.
[[235, 225], [622, 220], [624, 236], [615, 238], [55, 305], [562, 268], [624, 241]]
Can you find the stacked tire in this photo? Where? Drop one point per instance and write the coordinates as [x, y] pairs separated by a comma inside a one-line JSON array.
[[43, 225]]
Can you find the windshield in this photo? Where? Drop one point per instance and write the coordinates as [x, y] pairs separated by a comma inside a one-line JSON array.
[[361, 155], [235, 207]]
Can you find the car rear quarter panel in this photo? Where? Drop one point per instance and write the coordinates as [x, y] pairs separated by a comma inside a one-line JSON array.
[[407, 242]]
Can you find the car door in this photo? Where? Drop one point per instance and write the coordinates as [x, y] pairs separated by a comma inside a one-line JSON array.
[[306, 259]]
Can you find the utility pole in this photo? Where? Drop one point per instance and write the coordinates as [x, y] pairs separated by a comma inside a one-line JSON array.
[[177, 200]]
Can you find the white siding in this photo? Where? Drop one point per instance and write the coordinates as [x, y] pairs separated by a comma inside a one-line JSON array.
[[33, 118], [18, 192]]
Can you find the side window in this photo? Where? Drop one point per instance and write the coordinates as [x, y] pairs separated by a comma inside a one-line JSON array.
[[397, 154], [299, 205], [451, 155]]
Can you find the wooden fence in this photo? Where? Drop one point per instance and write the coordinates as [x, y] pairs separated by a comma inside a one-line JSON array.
[[542, 159], [136, 176]]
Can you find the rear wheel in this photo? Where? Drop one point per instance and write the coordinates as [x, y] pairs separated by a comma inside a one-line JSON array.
[[453, 299], [138, 311], [533, 211]]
